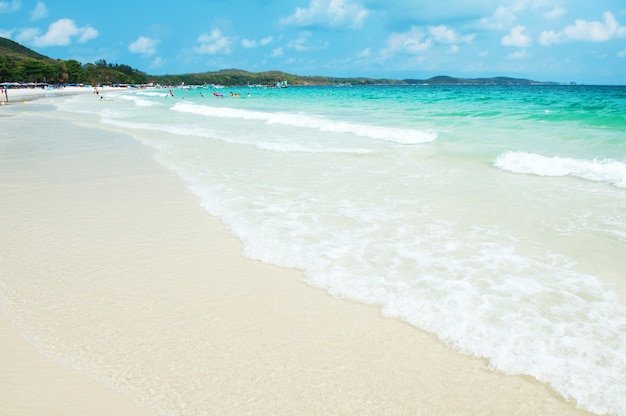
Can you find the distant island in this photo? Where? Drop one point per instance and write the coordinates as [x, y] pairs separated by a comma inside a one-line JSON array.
[[239, 77], [23, 65], [445, 80]]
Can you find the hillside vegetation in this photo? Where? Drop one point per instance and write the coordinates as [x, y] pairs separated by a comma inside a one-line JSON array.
[[267, 78], [20, 64]]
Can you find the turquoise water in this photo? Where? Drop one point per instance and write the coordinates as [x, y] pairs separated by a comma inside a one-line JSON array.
[[493, 217]]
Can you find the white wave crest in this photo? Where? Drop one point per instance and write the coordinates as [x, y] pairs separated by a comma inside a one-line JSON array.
[[140, 102], [390, 134], [607, 170]]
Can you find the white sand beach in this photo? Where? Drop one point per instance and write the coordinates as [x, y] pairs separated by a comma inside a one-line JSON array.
[[122, 296], [21, 95], [33, 384]]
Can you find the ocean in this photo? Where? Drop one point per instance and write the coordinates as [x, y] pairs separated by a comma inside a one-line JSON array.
[[491, 216]]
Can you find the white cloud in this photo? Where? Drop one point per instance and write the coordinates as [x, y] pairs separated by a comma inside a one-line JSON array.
[[6, 33], [39, 12], [517, 38], [503, 17], [443, 34], [143, 46], [555, 13], [523, 54], [87, 33], [60, 33], [157, 62], [549, 37], [586, 31], [596, 31], [13, 6], [26, 35], [266, 40], [328, 13], [277, 52], [622, 53], [412, 42], [300, 44], [253, 43], [213, 44], [417, 41], [247, 43]]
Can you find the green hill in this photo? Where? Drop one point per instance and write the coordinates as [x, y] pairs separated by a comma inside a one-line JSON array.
[[232, 77], [18, 63], [446, 80], [8, 48]]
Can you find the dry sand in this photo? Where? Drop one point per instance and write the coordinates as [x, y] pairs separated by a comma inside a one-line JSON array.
[[107, 262], [21, 95]]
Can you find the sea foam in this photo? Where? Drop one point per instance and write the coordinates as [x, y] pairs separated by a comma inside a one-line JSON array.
[[138, 101], [384, 228], [390, 134], [197, 131], [608, 170], [492, 301]]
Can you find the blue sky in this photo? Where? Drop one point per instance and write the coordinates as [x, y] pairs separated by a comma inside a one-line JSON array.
[[582, 41]]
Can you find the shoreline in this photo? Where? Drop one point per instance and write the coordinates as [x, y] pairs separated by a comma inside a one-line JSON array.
[[34, 384], [101, 211], [24, 95]]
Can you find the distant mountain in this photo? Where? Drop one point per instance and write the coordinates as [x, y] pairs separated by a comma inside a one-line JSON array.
[[446, 80], [234, 77], [19, 64], [240, 77]]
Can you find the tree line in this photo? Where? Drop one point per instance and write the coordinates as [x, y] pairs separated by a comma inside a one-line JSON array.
[[16, 69], [234, 77], [66, 72], [21, 64]]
